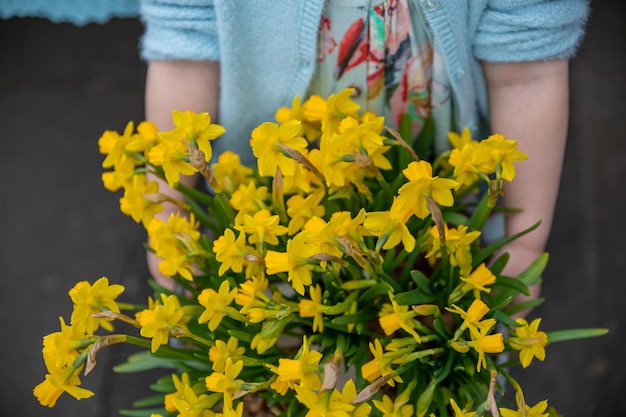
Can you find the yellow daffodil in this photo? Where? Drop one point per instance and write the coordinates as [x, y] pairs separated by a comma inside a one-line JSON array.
[[176, 243], [57, 381], [523, 410], [266, 146], [63, 347], [331, 111], [379, 366], [156, 323], [135, 203], [215, 304], [347, 395], [295, 261], [469, 163], [476, 281], [262, 227], [310, 129], [342, 224], [195, 127], [303, 180], [394, 317], [251, 293], [303, 369], [458, 412], [365, 135], [390, 227], [230, 252], [341, 233], [116, 179], [230, 173], [187, 398], [332, 164], [458, 141], [485, 343], [89, 299], [324, 403], [262, 344], [458, 242], [228, 410], [529, 340], [147, 136], [314, 308], [114, 147], [359, 138], [193, 404], [421, 183], [173, 156], [221, 351], [120, 156], [504, 152], [248, 199], [472, 318], [390, 408], [226, 381], [179, 385], [301, 209]]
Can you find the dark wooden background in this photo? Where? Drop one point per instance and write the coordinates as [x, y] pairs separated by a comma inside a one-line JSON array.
[[61, 86]]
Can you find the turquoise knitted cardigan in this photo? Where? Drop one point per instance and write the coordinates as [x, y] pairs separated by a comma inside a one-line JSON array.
[[267, 48], [77, 12]]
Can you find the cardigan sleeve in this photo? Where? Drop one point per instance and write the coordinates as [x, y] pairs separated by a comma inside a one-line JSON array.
[[179, 29], [529, 30], [77, 12]]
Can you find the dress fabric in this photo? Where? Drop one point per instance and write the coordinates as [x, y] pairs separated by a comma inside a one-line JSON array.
[[384, 49]]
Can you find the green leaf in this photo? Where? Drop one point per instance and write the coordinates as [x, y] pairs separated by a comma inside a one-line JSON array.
[[165, 384], [378, 289], [441, 328], [553, 413], [513, 283], [523, 306], [416, 296], [240, 335], [149, 401], [487, 251], [201, 214], [504, 318], [498, 265], [423, 144], [341, 193], [197, 195], [573, 334], [480, 214], [532, 274], [361, 316], [144, 361], [421, 280], [502, 302], [454, 218]]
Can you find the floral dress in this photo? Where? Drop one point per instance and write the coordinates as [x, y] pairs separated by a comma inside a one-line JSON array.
[[386, 52]]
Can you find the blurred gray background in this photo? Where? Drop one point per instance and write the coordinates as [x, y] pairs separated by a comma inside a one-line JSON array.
[[61, 86]]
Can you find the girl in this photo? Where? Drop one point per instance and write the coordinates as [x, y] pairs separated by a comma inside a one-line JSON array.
[[487, 65]]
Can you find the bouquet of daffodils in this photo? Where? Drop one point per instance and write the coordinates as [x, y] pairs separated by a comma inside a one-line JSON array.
[[345, 276]]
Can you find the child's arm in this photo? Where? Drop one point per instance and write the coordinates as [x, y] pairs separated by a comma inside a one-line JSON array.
[[529, 103], [178, 85]]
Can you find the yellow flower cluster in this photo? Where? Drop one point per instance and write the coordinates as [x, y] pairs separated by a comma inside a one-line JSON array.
[[342, 250], [64, 352]]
